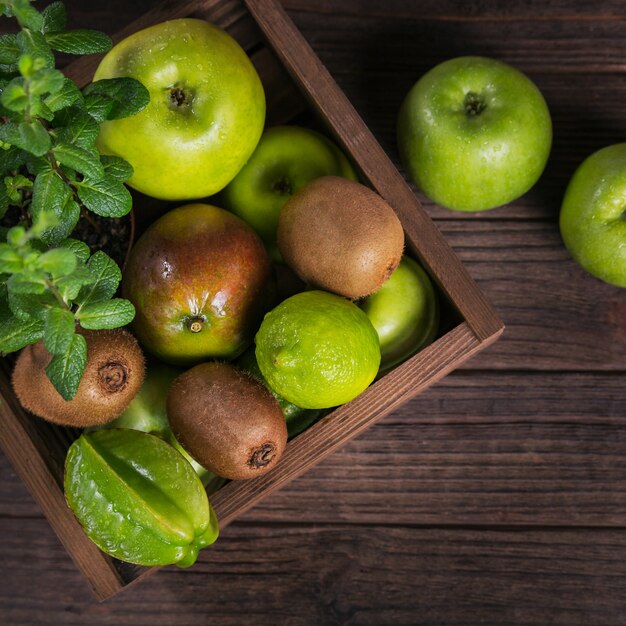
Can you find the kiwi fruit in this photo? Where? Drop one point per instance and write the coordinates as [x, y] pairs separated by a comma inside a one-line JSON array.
[[226, 420], [113, 375], [340, 236]]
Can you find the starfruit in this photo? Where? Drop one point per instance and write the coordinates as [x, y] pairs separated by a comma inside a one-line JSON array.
[[137, 498]]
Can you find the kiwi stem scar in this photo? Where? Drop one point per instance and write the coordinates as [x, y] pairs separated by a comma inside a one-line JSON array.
[[262, 456], [113, 376]]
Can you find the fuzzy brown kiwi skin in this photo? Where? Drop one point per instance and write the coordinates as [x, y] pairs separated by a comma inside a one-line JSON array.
[[340, 236], [226, 420], [113, 375]]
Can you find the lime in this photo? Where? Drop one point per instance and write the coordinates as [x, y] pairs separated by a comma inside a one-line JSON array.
[[317, 350], [297, 418]]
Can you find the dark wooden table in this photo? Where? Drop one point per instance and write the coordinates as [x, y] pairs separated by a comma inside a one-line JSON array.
[[498, 496]]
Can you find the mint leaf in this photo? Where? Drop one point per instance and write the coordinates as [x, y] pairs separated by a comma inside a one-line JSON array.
[[14, 96], [4, 199], [39, 109], [34, 43], [54, 18], [12, 159], [82, 131], [9, 50], [30, 136], [116, 167], [49, 192], [86, 162], [80, 41], [64, 97], [58, 330], [28, 306], [110, 314], [32, 282], [106, 279], [66, 370], [16, 333], [46, 81], [57, 262], [34, 137], [79, 248], [69, 286], [10, 261], [67, 217], [98, 106], [107, 197], [128, 96], [27, 15]]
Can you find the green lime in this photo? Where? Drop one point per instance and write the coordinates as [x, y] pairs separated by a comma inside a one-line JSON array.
[[297, 418], [317, 350]]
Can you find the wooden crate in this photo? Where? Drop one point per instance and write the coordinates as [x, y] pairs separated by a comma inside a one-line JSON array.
[[295, 82]]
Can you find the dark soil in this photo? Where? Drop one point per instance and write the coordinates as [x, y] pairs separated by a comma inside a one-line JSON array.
[[111, 235]]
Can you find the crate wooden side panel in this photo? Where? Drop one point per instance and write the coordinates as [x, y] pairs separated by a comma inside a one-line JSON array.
[[38, 449]]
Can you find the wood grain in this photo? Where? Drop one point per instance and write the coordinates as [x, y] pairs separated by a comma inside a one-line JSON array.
[[530, 448], [481, 327], [540, 438], [477, 10], [557, 315], [340, 574]]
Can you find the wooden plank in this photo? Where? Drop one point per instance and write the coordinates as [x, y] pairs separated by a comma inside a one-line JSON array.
[[535, 448], [342, 574], [31, 455], [417, 43], [477, 10], [557, 316]]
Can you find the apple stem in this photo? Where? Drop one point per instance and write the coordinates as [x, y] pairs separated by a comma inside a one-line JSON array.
[[195, 324], [178, 97], [474, 104], [283, 187]]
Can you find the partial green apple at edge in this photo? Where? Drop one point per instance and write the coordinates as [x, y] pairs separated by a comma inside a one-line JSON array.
[[286, 159], [206, 110], [474, 133], [593, 215], [404, 312]]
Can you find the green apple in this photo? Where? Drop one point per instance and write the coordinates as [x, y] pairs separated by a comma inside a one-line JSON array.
[[474, 133], [286, 159], [593, 215], [206, 110], [404, 312]]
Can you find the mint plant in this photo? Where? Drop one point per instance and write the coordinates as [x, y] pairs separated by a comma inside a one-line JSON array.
[[51, 174]]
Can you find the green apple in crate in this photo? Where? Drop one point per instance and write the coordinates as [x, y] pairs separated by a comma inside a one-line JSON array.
[[206, 110], [404, 312], [593, 215], [286, 159], [474, 133]]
